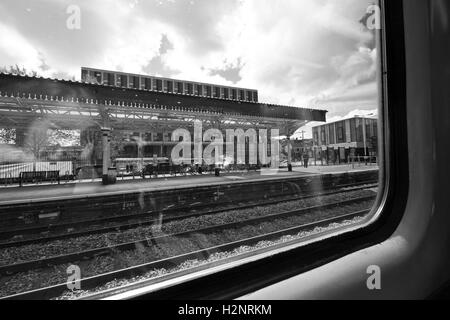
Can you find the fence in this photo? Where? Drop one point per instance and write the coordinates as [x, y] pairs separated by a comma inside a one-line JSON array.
[[351, 160], [78, 171], [11, 173], [364, 160]]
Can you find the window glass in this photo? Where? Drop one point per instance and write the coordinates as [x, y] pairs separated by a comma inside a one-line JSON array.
[[123, 81], [109, 177], [242, 95], [159, 85], [233, 94], [249, 96], [148, 83], [109, 80], [189, 88], [255, 96], [198, 90], [180, 87], [216, 92], [208, 91]]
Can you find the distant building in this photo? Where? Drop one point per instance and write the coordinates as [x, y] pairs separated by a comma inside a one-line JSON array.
[[158, 84], [343, 140]]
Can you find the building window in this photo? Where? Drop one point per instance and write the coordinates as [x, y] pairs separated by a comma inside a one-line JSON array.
[[148, 84], [123, 79], [170, 86], [331, 134], [340, 132], [135, 82], [190, 88], [159, 85], [242, 95], [179, 86], [84, 75], [216, 92], [98, 77], [109, 79], [233, 94], [255, 96], [316, 137], [353, 137], [249, 96], [198, 90]]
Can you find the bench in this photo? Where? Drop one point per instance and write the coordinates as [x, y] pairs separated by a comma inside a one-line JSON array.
[[39, 176]]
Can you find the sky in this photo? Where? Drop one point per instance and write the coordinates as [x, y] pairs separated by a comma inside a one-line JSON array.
[[304, 53]]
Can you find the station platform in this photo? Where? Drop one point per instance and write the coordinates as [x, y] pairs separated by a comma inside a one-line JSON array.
[[334, 169], [49, 192]]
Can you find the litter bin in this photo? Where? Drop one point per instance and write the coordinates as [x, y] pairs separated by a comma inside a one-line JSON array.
[[111, 177], [217, 172], [290, 167]]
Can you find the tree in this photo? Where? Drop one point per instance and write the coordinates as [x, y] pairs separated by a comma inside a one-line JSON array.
[[7, 136], [19, 70], [91, 79], [64, 138], [36, 140], [117, 144]]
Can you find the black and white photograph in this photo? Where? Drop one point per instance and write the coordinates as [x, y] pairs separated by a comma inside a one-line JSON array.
[[235, 153]]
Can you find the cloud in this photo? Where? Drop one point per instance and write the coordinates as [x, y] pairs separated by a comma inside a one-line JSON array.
[[307, 53], [157, 65], [230, 71], [15, 49]]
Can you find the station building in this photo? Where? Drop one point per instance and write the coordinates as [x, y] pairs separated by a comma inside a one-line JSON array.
[[342, 141], [123, 115]]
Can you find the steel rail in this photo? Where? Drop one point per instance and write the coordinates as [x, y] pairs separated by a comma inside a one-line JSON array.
[[96, 281]]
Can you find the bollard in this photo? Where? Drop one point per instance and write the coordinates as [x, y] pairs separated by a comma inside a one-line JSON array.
[[111, 177]]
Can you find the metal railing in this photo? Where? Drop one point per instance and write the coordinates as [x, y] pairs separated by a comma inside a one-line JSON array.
[[363, 160], [33, 172]]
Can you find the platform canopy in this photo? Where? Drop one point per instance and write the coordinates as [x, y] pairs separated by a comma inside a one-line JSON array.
[[77, 105]]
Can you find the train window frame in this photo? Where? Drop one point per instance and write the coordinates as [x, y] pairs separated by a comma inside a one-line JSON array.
[[243, 276]]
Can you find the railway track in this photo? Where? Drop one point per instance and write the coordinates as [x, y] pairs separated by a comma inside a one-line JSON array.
[[142, 243], [167, 216], [88, 284]]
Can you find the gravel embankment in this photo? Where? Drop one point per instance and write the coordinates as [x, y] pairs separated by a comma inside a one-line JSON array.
[[73, 245], [172, 246]]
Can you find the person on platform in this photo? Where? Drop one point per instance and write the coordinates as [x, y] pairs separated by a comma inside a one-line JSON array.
[[305, 159]]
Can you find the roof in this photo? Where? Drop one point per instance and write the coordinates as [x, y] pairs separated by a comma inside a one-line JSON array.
[[84, 92], [342, 120]]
